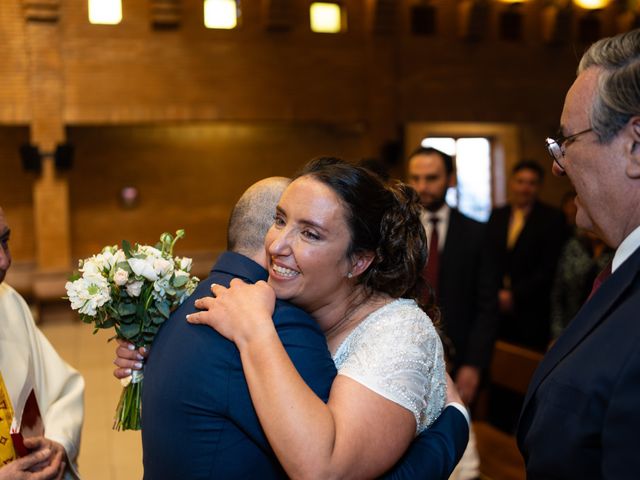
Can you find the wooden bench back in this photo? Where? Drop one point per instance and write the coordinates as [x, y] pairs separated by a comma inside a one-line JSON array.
[[512, 366]]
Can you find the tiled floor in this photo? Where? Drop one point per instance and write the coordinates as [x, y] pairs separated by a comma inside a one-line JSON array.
[[105, 454]]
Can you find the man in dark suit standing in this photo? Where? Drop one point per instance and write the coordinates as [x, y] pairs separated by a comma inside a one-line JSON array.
[[580, 416], [198, 420], [525, 238], [459, 275]]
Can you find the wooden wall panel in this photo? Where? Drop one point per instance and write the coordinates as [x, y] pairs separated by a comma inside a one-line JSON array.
[[188, 176], [16, 192]]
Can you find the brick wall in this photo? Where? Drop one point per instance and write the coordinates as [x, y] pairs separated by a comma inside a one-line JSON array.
[[191, 116]]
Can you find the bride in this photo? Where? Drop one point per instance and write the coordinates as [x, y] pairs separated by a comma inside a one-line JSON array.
[[349, 250]]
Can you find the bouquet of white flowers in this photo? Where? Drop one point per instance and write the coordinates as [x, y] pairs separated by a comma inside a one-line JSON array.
[[132, 289]]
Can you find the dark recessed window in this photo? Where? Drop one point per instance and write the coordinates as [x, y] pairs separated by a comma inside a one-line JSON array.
[[589, 28], [511, 24], [423, 20]]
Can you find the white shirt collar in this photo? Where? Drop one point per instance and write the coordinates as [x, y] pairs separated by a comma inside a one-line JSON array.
[[442, 214], [626, 248]]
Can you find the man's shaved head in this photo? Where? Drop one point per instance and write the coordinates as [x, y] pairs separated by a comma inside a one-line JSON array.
[[253, 215]]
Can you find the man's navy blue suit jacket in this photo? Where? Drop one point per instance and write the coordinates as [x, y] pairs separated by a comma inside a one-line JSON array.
[[198, 421], [580, 416]]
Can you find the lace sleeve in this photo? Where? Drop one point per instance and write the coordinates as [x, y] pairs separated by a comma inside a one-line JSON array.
[[396, 352]]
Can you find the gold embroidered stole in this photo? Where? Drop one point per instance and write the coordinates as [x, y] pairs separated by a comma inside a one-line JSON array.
[[7, 452]]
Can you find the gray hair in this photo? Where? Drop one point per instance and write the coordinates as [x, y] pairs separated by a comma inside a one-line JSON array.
[[253, 215], [618, 91]]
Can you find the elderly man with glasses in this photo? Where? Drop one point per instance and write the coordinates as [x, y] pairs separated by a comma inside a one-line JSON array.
[[580, 417]]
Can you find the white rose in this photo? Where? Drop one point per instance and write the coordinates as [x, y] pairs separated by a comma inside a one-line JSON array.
[[162, 266], [143, 268], [181, 273], [106, 257], [112, 256], [185, 264], [101, 261], [134, 288], [110, 249], [91, 266], [120, 277], [150, 251], [119, 256]]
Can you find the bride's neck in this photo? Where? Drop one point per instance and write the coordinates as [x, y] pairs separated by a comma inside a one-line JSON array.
[[339, 321]]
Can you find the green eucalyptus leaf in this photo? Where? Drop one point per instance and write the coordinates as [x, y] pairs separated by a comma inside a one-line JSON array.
[[140, 312], [163, 308], [171, 292], [124, 266], [75, 276], [151, 329], [148, 338], [126, 248], [128, 331], [180, 281], [126, 308], [108, 323]]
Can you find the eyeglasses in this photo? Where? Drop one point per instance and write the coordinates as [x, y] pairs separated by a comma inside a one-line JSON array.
[[555, 145]]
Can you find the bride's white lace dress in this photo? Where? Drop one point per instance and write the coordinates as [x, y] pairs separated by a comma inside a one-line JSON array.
[[397, 353]]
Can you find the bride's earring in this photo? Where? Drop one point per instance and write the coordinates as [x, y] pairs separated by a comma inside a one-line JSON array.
[[349, 275]]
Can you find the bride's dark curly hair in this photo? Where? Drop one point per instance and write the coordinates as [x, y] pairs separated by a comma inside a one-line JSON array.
[[384, 219]]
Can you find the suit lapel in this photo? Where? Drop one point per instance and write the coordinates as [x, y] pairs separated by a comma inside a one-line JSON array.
[[586, 321]]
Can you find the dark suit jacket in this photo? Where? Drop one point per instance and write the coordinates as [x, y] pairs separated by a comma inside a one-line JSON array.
[[580, 417], [467, 292], [531, 267], [198, 421]]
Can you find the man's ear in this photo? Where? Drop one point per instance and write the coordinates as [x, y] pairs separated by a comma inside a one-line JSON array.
[[361, 262], [633, 152], [453, 180]]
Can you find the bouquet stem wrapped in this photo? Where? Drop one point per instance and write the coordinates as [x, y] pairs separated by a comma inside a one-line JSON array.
[[133, 290], [129, 410]]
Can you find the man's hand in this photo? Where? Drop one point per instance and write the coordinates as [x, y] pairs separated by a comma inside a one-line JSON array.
[[57, 459], [128, 358], [47, 461], [505, 301], [467, 381]]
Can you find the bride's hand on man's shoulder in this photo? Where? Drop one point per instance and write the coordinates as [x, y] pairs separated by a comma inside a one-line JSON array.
[[236, 312]]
